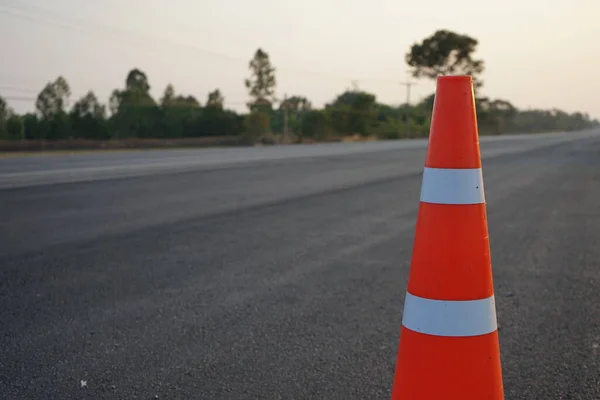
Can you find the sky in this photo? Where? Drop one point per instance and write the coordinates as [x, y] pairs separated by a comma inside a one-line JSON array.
[[538, 54]]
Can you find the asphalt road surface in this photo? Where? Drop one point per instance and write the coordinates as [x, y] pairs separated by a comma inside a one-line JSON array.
[[280, 272]]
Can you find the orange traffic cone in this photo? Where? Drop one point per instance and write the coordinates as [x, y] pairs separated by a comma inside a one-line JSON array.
[[449, 339]]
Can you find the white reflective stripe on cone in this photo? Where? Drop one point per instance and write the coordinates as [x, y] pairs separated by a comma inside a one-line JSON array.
[[452, 186], [449, 318]]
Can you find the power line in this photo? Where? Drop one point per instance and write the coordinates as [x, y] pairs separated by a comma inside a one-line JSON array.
[[87, 29], [24, 11], [93, 27], [19, 98], [17, 89]]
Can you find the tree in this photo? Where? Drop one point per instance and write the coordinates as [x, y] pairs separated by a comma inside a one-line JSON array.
[[315, 125], [4, 110], [168, 95], [15, 128], [32, 126], [137, 81], [54, 98], [134, 111], [445, 53], [261, 87], [354, 111], [215, 99], [262, 82], [135, 114], [88, 118], [216, 120], [257, 123], [11, 124], [179, 113], [5, 113], [114, 101], [494, 116], [296, 103], [88, 105], [427, 102], [51, 106], [296, 107], [186, 110]]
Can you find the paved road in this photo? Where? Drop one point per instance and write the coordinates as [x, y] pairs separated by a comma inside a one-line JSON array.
[[49, 169], [283, 278]]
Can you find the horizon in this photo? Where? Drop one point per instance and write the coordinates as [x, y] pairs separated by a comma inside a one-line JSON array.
[[318, 61]]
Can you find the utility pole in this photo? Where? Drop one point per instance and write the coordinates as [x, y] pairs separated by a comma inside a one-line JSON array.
[[408, 84]]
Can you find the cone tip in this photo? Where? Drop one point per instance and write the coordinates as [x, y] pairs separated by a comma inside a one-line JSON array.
[[453, 139], [463, 81], [466, 78]]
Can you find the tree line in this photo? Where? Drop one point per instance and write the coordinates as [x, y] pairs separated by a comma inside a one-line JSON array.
[[133, 113]]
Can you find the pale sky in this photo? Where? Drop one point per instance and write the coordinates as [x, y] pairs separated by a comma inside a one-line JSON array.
[[538, 53]]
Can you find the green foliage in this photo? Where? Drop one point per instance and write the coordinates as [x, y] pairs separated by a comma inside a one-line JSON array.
[[4, 115], [11, 124], [315, 125], [137, 81], [55, 126], [353, 112], [445, 53], [179, 114], [494, 116], [531, 121], [215, 121], [53, 99], [15, 129], [4, 110], [257, 124], [33, 127], [296, 104], [133, 113], [262, 82], [215, 99], [295, 107], [89, 116], [168, 96]]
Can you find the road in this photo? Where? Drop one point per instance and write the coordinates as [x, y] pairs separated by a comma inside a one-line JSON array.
[[279, 273]]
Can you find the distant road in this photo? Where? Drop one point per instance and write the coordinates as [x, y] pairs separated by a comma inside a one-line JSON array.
[[279, 272], [61, 168]]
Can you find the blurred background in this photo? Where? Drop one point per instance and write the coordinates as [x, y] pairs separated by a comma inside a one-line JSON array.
[[230, 72]]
